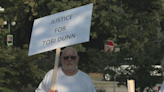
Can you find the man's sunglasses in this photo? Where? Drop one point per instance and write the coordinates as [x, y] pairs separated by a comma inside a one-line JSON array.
[[67, 57]]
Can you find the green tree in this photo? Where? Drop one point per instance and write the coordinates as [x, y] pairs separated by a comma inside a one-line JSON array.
[[136, 28], [18, 70], [15, 65]]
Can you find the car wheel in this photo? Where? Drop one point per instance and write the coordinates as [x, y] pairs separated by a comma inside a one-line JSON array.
[[107, 77]]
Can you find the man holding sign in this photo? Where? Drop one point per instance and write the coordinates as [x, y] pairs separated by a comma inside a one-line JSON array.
[[69, 78], [60, 30]]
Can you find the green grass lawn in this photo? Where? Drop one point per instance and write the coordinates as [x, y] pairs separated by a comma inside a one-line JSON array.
[[103, 83], [95, 75]]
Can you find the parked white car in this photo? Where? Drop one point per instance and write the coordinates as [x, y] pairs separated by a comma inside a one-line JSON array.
[[109, 71]]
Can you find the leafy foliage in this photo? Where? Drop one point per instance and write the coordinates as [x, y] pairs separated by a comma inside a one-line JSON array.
[[136, 27], [18, 69]]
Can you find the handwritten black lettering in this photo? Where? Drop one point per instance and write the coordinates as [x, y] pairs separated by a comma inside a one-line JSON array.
[[60, 19], [66, 37], [60, 29], [47, 42]]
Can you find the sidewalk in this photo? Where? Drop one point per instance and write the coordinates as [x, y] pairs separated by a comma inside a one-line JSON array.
[[117, 89], [111, 89]]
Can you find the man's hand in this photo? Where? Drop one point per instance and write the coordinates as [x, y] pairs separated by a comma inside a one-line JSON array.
[[52, 91]]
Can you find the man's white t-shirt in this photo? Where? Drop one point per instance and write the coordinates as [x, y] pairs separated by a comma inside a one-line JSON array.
[[80, 82]]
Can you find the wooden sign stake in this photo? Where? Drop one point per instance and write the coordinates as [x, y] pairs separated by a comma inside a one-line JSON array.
[[131, 85], [55, 68]]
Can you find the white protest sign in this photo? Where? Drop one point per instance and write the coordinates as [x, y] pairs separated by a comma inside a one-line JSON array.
[[61, 29]]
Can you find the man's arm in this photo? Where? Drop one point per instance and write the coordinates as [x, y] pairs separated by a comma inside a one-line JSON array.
[[41, 87], [91, 85], [45, 85]]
